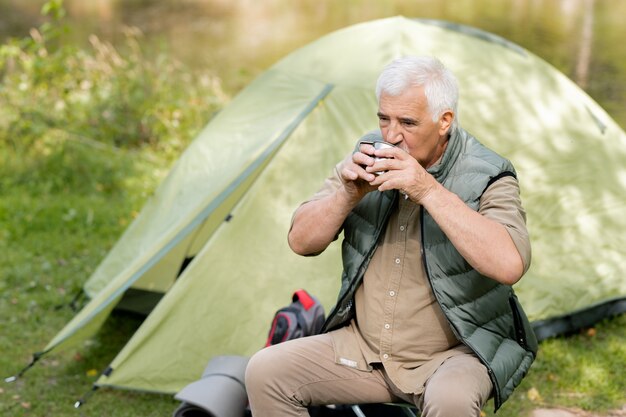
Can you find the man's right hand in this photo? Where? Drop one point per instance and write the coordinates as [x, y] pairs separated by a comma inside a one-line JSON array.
[[354, 176], [317, 223]]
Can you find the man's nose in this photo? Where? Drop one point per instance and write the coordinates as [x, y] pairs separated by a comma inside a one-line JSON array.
[[393, 135]]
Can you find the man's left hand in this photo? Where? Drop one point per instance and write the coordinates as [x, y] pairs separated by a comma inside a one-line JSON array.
[[402, 172]]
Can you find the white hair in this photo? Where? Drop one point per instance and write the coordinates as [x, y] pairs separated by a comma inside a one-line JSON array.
[[440, 85]]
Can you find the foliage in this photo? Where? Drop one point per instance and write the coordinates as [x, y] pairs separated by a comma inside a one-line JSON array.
[[62, 104], [582, 371]]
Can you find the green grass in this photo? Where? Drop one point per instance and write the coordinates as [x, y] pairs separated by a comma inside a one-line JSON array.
[[51, 242], [85, 137], [583, 371]]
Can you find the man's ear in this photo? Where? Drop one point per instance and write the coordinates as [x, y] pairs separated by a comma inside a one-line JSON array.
[[445, 122]]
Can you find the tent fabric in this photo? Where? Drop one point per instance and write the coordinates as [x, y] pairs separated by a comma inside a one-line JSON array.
[[228, 201], [182, 214], [576, 320]]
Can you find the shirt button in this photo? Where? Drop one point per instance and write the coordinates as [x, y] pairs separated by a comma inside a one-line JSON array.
[[402, 228], [397, 260], [392, 293], [387, 326], [385, 356]]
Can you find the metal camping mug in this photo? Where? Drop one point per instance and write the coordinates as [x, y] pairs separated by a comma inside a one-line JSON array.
[[379, 145]]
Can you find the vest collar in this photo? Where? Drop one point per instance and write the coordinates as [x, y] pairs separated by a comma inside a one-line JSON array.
[[441, 170]]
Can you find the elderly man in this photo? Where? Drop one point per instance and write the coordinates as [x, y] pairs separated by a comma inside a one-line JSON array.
[[434, 237]]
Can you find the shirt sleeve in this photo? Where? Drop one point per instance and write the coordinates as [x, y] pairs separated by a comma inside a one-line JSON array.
[[501, 202]]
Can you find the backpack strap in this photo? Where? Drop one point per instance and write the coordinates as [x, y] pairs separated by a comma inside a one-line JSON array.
[[305, 299]]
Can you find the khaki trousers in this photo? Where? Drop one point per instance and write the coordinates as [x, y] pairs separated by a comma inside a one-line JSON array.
[[284, 379]]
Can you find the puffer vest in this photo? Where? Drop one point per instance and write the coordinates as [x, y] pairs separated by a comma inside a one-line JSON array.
[[484, 314]]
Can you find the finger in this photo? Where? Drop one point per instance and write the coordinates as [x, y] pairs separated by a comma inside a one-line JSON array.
[[362, 159], [391, 152], [349, 175], [383, 165], [386, 182], [367, 176], [366, 148], [355, 172]]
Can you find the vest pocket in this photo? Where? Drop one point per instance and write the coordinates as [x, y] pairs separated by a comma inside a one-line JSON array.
[[524, 334]]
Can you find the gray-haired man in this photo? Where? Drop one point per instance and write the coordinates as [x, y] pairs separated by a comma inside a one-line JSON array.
[[434, 237]]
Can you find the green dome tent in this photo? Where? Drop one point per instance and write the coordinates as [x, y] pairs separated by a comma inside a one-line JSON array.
[[222, 215]]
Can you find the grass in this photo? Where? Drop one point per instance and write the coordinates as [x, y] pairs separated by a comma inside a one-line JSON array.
[[85, 137], [582, 371], [51, 242]]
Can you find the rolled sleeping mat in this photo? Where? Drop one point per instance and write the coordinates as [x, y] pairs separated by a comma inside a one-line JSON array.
[[220, 392]]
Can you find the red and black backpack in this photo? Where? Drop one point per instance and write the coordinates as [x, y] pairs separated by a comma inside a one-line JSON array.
[[303, 317]]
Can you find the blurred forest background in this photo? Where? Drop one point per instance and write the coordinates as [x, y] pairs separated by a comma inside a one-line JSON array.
[[97, 100], [237, 39]]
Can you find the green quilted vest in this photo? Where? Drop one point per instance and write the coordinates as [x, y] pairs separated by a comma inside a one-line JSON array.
[[484, 314]]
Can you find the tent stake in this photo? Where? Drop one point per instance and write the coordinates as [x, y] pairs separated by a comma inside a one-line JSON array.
[[36, 357], [85, 397]]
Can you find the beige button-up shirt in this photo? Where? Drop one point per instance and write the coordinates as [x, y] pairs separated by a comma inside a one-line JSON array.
[[398, 322]]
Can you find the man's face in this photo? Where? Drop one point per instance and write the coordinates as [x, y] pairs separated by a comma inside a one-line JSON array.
[[406, 122]]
